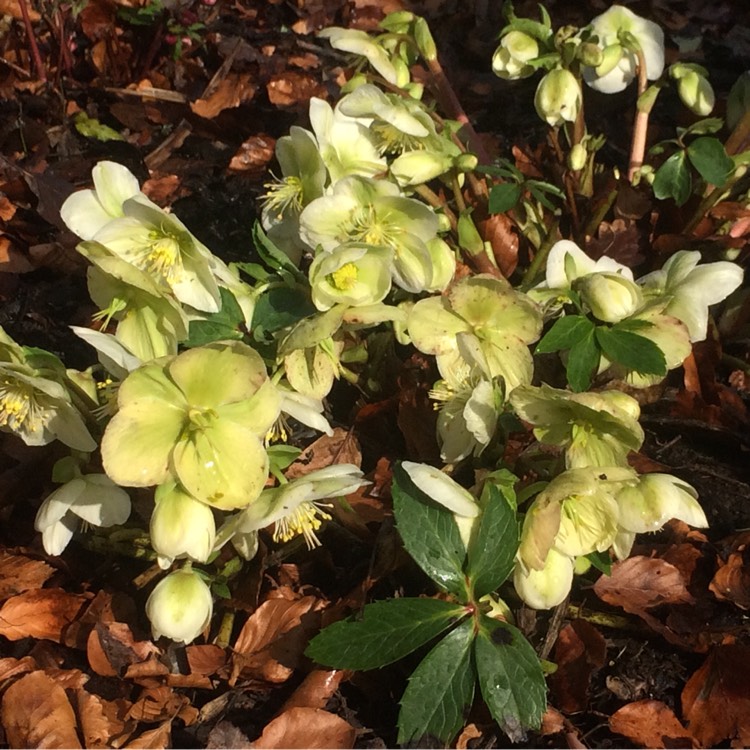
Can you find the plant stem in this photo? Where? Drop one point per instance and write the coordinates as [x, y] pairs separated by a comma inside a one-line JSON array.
[[452, 105], [541, 256], [640, 127], [38, 64], [434, 200], [739, 138]]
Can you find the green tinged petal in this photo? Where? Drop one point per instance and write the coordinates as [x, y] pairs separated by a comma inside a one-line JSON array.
[[223, 464]]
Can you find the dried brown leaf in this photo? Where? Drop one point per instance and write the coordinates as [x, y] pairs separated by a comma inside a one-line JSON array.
[[205, 659], [294, 87], [650, 723], [340, 448], [732, 580], [232, 91], [13, 8], [316, 689], [273, 639], [20, 573], [716, 699], [498, 231], [112, 649], [226, 736], [307, 728], [254, 154], [468, 733], [154, 739], [13, 260], [580, 651], [36, 713], [44, 613], [640, 583]]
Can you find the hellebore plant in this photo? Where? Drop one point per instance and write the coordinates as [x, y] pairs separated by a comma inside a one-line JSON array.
[[382, 240]]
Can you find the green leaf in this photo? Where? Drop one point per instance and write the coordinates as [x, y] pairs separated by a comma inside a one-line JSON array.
[[510, 677], [430, 534], [440, 691], [710, 158], [702, 127], [633, 351], [672, 179], [281, 456], [272, 256], [388, 631], [493, 547], [224, 324], [503, 197], [280, 307], [601, 561], [565, 333], [583, 359]]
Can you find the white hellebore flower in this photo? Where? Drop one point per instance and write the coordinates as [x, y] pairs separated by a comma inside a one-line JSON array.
[[692, 288], [293, 508], [511, 57], [548, 587], [619, 65], [93, 498], [87, 211], [610, 296], [180, 607], [361, 43]]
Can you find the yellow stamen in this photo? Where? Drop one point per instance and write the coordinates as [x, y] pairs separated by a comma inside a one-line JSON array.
[[18, 407], [305, 519]]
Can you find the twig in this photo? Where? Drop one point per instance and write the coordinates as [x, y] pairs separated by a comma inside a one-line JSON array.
[[164, 95], [739, 139]]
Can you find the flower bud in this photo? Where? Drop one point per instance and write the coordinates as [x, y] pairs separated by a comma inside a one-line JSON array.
[[696, 93], [424, 40], [510, 58], [180, 607], [181, 526], [610, 297], [577, 157], [590, 54], [558, 97], [418, 167]]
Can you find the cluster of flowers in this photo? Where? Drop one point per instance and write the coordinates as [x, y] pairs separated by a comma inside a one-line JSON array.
[[349, 208], [606, 55]]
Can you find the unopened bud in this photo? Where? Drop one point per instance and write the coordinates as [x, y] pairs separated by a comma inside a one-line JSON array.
[[424, 40], [577, 157], [558, 97], [180, 607], [696, 93], [590, 54], [466, 162], [511, 57], [610, 297]]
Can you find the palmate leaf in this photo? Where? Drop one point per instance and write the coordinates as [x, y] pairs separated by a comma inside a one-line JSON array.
[[440, 690], [493, 548], [510, 677], [218, 326], [710, 159], [631, 350], [583, 359], [388, 631], [429, 533], [565, 333], [672, 179]]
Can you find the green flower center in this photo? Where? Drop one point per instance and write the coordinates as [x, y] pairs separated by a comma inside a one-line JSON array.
[[284, 196], [344, 278], [18, 407], [305, 519], [391, 140], [200, 419], [366, 226]]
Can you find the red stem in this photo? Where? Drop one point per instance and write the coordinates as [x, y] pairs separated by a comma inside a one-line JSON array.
[[38, 64]]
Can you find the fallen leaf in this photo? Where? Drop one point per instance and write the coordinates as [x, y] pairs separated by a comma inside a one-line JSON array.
[[468, 733], [226, 736], [253, 155], [497, 230], [43, 613], [205, 659], [13, 260], [716, 699], [650, 723], [579, 652], [731, 581], [154, 739], [640, 583], [553, 722], [13, 8], [339, 448], [20, 573], [316, 689], [310, 728], [294, 87], [101, 721], [232, 91], [10, 667], [36, 712], [274, 637]]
